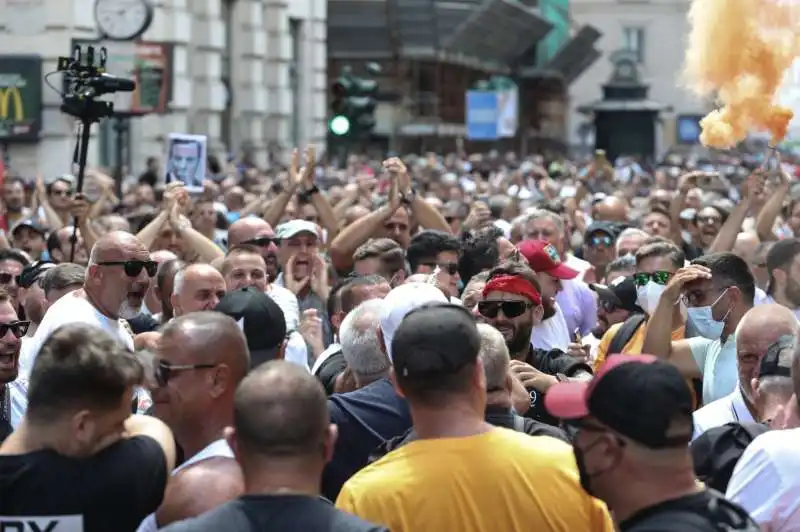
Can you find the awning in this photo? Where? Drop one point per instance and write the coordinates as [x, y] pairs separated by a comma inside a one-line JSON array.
[[499, 31], [573, 58]]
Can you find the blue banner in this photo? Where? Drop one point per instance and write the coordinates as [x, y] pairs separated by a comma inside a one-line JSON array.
[[482, 115]]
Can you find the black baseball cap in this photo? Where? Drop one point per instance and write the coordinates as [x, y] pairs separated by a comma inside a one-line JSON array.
[[32, 272], [261, 320], [435, 339], [639, 397], [607, 228], [621, 292], [777, 362]]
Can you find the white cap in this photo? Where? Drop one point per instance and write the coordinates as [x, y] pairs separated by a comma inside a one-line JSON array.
[[402, 300]]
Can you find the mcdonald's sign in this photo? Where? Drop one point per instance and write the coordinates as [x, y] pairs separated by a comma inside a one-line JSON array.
[[20, 98]]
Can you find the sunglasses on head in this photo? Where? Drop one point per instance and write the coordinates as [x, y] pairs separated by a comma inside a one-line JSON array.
[[642, 278], [600, 240], [262, 241], [511, 309], [451, 268], [134, 267], [17, 328], [164, 371]]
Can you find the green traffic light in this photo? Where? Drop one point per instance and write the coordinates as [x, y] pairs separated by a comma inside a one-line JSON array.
[[340, 125]]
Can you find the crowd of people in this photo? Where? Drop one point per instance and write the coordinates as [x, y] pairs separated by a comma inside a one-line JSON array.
[[475, 343]]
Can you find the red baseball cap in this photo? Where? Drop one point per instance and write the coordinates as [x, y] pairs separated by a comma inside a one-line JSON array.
[[543, 257]]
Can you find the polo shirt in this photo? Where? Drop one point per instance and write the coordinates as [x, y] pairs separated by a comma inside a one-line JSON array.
[[716, 361]]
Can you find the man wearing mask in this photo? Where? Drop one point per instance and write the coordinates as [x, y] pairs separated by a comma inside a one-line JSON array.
[[655, 264], [718, 290], [630, 429]]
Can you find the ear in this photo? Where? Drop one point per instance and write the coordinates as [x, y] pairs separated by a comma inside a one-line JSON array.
[[393, 378], [337, 318], [282, 350], [508, 382], [754, 386], [330, 442], [479, 375], [82, 427], [538, 314], [221, 380], [229, 433], [381, 342], [173, 302]]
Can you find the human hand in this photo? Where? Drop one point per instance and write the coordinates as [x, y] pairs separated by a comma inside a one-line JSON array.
[[478, 217], [397, 169], [578, 350], [520, 397], [311, 328], [319, 277], [531, 377], [693, 272], [296, 286], [755, 185], [79, 207], [41, 188]]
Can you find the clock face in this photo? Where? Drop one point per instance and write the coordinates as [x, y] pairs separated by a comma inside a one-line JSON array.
[[123, 20]]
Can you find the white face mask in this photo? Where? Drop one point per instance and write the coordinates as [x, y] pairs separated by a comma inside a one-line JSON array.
[[647, 296], [703, 320]]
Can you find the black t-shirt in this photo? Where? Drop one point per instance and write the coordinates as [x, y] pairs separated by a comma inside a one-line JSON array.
[[275, 513], [143, 323], [366, 418], [112, 490], [705, 511], [551, 362]]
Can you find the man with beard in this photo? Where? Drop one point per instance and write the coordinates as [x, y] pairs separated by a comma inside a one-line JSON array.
[[14, 201], [630, 429], [512, 303], [783, 268], [117, 279], [253, 231], [616, 302], [13, 387], [12, 262]]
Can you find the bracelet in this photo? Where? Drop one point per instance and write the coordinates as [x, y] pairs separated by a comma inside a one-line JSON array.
[[408, 199]]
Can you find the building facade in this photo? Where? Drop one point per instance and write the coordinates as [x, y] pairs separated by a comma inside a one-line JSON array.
[[656, 30], [249, 74]]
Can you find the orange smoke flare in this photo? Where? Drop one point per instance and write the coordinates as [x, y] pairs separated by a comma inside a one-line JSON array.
[[739, 51]]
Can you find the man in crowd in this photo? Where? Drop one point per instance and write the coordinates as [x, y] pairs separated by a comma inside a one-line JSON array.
[[201, 359], [436, 251], [630, 428], [437, 369], [78, 431], [282, 437], [29, 236], [616, 303], [718, 290], [364, 359], [254, 231], [32, 297], [761, 327], [197, 287], [783, 269], [13, 373], [12, 262]]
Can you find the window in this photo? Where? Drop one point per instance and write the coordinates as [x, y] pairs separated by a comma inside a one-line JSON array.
[[633, 41], [295, 81]]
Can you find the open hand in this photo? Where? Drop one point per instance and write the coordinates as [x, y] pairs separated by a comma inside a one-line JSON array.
[[531, 377]]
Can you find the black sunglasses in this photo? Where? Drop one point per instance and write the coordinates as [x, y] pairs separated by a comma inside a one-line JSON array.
[[134, 267], [262, 241], [17, 328], [164, 371], [511, 309], [450, 267], [642, 278], [6, 278]]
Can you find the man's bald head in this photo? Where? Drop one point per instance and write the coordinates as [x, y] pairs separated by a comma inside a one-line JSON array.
[[113, 245], [611, 209], [162, 255], [746, 246], [248, 228], [197, 287], [766, 321], [280, 411], [211, 338]]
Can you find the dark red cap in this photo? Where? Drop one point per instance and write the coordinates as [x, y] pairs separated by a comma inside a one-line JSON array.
[[543, 257]]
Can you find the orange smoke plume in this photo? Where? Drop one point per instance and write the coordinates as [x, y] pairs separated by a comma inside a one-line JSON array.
[[739, 51]]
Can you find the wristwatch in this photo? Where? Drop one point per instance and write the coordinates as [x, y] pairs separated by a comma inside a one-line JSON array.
[[306, 195], [409, 197]]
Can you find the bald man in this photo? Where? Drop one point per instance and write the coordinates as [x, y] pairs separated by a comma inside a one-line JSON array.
[[760, 327], [203, 358], [197, 287], [152, 301], [117, 279], [610, 209], [256, 232]]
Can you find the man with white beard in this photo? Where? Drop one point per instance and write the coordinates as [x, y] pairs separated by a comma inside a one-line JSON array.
[[117, 279]]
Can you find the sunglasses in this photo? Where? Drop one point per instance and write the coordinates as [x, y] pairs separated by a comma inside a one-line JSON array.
[[451, 268], [642, 278], [17, 328], [134, 267], [511, 309], [262, 241], [164, 371], [708, 220], [600, 240], [6, 278]]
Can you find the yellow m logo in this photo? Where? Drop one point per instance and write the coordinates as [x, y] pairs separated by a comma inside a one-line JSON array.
[[10, 95]]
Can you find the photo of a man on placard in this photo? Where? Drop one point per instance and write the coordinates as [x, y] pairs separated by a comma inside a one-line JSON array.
[[186, 160]]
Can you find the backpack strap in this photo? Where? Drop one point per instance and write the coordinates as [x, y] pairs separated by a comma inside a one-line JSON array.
[[519, 423], [625, 333]]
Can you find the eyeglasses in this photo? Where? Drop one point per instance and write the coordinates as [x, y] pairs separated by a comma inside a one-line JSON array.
[[134, 267], [608, 307], [6, 278], [262, 241], [708, 220], [642, 278], [165, 371], [600, 240], [17, 328], [511, 309], [62, 193], [450, 267]]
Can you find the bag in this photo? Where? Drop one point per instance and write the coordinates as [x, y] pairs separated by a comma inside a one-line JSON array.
[[625, 333], [720, 515]]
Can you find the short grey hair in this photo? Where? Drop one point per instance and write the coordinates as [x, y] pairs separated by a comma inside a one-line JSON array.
[[543, 214], [494, 355], [631, 231], [358, 336], [177, 281], [63, 276]]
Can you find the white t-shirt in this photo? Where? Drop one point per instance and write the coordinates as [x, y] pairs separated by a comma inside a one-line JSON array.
[[215, 449], [765, 481], [286, 299], [729, 409], [717, 364], [552, 333], [72, 309]]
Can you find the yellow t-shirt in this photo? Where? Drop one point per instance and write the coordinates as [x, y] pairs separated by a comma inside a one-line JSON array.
[[499, 480], [634, 345]]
